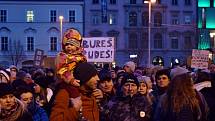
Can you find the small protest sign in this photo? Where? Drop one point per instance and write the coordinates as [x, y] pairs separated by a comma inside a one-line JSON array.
[[38, 57]]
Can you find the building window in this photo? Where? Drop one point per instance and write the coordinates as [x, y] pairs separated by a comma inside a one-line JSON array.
[[133, 1], [187, 42], [174, 2], [158, 44], [3, 15], [132, 19], [144, 43], [112, 18], [95, 33], [53, 43], [53, 15], [132, 40], [112, 1], [174, 18], [187, 19], [4, 43], [145, 19], [72, 16], [30, 43], [95, 1], [175, 21], [115, 34], [95, 19], [30, 16], [157, 19], [187, 2], [174, 43]]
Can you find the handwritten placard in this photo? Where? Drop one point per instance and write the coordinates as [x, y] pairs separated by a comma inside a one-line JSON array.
[[99, 49], [200, 59]]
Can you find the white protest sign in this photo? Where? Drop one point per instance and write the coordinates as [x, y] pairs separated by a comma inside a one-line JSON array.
[[99, 49], [200, 59]]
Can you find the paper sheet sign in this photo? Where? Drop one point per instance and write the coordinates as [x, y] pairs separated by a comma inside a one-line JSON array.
[[99, 49], [200, 59]]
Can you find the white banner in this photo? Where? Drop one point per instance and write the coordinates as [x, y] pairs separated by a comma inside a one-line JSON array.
[[99, 49], [200, 59]]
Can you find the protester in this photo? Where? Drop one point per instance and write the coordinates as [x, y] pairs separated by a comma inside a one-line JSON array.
[[13, 71], [4, 76], [68, 58], [129, 67], [85, 107], [26, 95], [11, 109], [129, 106], [113, 75], [143, 89], [206, 85], [106, 85], [162, 79], [71, 54], [181, 102]]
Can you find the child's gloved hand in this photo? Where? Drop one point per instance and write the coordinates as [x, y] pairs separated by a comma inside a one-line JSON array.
[[75, 83]]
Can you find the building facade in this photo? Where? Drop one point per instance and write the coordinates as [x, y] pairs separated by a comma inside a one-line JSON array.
[[173, 28], [28, 25]]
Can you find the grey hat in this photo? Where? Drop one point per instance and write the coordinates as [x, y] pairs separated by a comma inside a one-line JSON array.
[[131, 65], [178, 71]]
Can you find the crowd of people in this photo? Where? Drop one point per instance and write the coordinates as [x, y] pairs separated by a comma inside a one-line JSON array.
[[79, 91], [127, 93]]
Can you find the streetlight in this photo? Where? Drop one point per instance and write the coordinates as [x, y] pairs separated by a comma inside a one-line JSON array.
[[149, 30], [61, 29]]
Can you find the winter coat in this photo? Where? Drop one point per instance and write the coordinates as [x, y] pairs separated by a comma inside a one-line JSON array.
[[65, 64], [185, 114], [135, 108], [63, 110], [39, 114], [209, 94]]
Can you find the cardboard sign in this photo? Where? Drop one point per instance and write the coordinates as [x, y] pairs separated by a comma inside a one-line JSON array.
[[99, 49], [200, 59]]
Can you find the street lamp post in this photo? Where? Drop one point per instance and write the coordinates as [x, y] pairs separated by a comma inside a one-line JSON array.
[[61, 30], [149, 30]]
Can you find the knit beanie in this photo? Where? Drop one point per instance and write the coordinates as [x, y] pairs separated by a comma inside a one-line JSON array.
[[5, 89], [129, 78], [131, 65], [177, 71], [5, 73], [84, 71], [73, 37]]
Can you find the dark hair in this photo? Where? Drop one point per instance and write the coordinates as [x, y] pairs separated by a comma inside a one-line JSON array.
[[162, 72], [104, 75], [23, 89], [203, 76], [5, 89]]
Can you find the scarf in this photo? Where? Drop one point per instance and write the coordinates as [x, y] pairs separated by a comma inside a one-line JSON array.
[[13, 114]]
